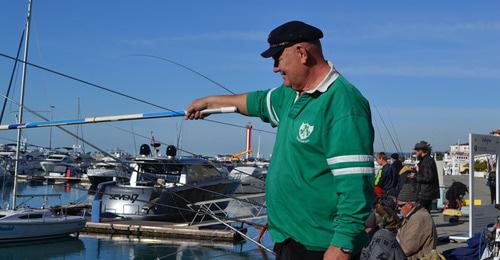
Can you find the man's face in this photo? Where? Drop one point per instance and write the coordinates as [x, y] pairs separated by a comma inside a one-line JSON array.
[[405, 207], [380, 161], [419, 153], [288, 64]]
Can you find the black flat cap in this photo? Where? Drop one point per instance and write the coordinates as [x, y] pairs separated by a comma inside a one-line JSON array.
[[288, 34], [422, 145]]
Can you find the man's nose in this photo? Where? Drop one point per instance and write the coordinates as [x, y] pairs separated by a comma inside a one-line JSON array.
[[276, 69]]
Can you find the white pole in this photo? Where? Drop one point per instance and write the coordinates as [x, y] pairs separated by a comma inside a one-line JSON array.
[[497, 178], [21, 102], [471, 183]]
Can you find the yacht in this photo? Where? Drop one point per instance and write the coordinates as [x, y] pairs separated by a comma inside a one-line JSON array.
[[63, 159], [161, 188], [108, 169]]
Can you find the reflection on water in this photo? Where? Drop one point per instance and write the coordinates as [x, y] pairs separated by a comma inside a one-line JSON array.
[[91, 246], [44, 249]]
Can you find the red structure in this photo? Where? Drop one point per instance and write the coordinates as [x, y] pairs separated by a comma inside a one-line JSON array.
[[249, 140]]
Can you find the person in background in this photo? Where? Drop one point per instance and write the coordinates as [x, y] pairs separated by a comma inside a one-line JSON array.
[[396, 164], [417, 234], [386, 178], [384, 244], [406, 175], [491, 182], [427, 175]]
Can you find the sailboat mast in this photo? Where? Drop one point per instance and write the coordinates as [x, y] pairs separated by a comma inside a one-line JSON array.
[[21, 102]]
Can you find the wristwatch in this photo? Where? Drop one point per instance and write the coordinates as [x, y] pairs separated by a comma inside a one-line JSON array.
[[346, 250]]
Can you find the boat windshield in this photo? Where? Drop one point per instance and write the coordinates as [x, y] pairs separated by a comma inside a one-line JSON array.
[[198, 172], [171, 172]]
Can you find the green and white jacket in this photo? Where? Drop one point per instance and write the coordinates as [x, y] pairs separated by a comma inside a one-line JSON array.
[[319, 186]]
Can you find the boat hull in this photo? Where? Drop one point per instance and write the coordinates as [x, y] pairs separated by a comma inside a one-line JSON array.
[[168, 204], [16, 231]]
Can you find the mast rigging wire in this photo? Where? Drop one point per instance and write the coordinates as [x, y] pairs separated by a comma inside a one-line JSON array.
[[12, 75]]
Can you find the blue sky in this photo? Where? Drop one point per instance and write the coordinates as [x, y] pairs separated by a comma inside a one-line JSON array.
[[431, 69]]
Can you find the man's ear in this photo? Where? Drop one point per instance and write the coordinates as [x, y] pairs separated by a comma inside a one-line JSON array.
[[302, 52]]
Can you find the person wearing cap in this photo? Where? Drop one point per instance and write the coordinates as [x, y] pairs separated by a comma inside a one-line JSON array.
[[417, 234], [427, 176], [319, 186]]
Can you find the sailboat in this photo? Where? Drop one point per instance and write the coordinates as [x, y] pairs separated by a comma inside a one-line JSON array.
[[22, 224]]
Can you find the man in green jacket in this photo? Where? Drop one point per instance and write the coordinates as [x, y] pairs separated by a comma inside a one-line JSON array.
[[319, 186]]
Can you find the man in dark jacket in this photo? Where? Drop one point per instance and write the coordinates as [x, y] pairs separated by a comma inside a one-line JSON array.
[[427, 176], [396, 167]]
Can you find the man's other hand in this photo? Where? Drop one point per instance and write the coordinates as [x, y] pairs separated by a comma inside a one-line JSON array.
[[335, 253]]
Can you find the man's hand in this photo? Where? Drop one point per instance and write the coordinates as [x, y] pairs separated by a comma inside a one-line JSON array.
[[194, 110], [334, 253]]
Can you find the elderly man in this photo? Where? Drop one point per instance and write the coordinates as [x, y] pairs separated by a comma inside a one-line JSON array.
[[417, 234], [427, 175], [319, 186]]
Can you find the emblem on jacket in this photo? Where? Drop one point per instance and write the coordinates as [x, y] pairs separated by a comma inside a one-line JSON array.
[[305, 131]]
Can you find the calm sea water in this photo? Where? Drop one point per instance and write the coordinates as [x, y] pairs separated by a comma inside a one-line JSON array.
[[116, 247]]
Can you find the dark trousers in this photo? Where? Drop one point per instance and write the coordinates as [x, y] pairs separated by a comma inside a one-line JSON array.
[[493, 191], [293, 250], [427, 204]]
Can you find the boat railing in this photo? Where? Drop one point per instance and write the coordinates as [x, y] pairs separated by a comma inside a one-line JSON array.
[[218, 207]]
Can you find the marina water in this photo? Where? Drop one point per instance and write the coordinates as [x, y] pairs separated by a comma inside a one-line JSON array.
[[92, 246]]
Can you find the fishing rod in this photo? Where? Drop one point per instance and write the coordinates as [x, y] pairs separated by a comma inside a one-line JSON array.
[[59, 124], [64, 75], [114, 118]]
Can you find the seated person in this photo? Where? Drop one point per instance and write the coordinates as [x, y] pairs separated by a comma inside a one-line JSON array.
[[383, 244], [417, 234]]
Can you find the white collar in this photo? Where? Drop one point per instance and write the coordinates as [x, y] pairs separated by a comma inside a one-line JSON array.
[[327, 81]]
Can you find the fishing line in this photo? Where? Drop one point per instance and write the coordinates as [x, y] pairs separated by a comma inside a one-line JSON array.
[[387, 129], [220, 85], [184, 67]]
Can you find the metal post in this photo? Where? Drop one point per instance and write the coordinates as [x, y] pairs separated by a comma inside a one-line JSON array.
[[471, 183], [497, 178], [50, 129], [21, 103]]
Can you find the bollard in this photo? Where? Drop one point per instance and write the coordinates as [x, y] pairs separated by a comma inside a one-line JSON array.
[[96, 211]]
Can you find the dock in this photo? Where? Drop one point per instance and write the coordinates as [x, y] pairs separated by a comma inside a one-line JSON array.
[[157, 229]]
